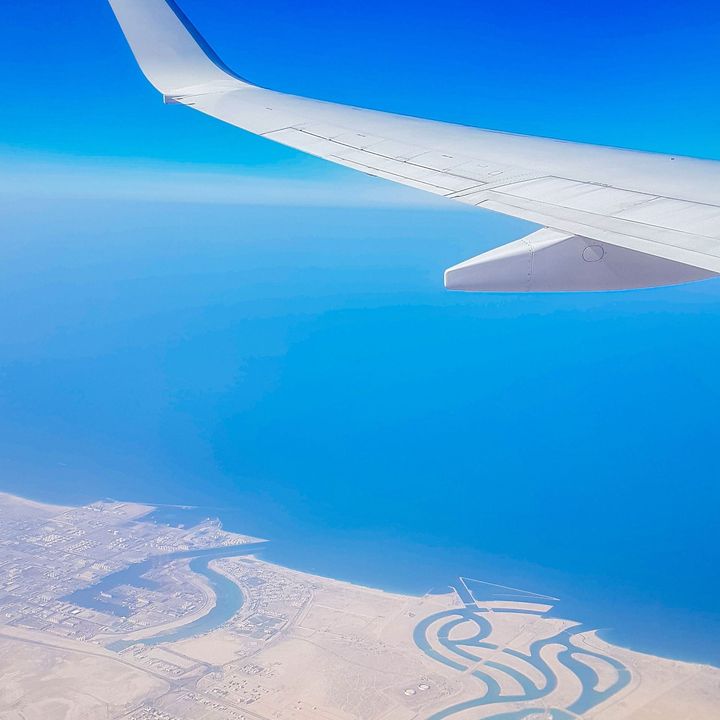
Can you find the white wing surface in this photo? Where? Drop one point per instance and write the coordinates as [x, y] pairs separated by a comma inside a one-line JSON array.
[[613, 218]]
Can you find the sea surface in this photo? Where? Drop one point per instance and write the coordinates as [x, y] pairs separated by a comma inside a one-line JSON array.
[[301, 374]]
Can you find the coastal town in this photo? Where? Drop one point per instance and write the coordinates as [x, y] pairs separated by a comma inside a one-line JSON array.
[[106, 612], [45, 557]]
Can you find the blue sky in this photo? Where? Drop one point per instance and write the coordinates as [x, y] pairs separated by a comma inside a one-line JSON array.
[[190, 314], [638, 74]]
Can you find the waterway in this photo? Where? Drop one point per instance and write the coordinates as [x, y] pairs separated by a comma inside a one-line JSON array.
[[464, 652], [229, 598]]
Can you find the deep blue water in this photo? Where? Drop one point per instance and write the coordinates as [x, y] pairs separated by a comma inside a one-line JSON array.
[[301, 374]]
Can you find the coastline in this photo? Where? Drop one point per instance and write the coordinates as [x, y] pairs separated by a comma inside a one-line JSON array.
[[39, 505], [227, 629], [607, 633]]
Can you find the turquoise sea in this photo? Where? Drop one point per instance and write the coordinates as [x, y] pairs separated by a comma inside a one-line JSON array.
[[301, 374]]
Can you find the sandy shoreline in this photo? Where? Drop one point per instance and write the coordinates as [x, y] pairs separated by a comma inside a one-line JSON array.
[[143, 509], [299, 644]]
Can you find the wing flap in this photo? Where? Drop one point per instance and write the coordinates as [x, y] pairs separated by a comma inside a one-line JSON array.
[[695, 218], [574, 195], [669, 244]]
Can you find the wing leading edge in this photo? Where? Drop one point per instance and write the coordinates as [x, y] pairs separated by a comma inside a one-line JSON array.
[[613, 218]]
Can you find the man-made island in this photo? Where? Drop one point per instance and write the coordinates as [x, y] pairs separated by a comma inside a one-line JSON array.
[[105, 613]]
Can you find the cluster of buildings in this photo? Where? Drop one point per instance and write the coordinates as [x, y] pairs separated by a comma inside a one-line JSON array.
[[53, 563]]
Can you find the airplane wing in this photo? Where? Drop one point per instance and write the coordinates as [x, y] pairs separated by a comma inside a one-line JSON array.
[[612, 219]]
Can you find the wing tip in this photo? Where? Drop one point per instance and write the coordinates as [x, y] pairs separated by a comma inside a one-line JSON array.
[[171, 52]]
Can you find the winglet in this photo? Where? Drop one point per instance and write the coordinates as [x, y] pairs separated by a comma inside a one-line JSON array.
[[172, 54]]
